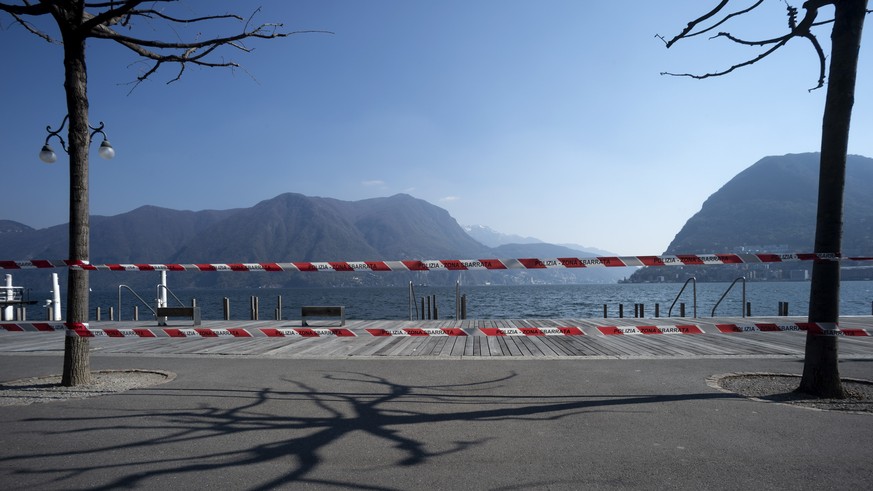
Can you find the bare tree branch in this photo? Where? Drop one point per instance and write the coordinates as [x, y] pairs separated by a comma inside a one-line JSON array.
[[691, 25], [710, 28], [33, 30], [732, 68], [151, 12], [26, 9], [99, 17], [801, 29]]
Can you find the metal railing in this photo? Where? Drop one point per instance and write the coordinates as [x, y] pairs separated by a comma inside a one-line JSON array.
[[742, 306], [158, 293], [120, 287], [693, 280], [412, 302]]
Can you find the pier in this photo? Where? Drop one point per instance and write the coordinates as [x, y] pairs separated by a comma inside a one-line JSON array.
[[673, 337]]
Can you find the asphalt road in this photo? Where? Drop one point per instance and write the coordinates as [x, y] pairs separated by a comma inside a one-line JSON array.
[[405, 423]]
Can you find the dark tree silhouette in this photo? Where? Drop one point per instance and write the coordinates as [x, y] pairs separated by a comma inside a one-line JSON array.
[[130, 24], [821, 376]]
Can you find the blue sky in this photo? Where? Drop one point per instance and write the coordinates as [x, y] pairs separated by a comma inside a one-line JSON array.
[[540, 118]]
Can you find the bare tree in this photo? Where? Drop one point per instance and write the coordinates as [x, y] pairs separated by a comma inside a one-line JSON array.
[[118, 22], [821, 375]]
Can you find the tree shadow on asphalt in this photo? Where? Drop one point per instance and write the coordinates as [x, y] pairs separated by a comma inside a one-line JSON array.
[[340, 414]]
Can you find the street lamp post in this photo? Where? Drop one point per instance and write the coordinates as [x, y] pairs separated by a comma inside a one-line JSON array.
[[76, 349], [48, 155]]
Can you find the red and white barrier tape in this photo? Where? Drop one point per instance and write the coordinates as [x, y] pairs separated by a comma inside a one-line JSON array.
[[446, 264], [822, 329], [200, 332], [33, 326], [532, 331], [633, 330], [418, 331]]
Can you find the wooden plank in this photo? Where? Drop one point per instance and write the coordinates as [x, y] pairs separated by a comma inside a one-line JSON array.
[[494, 347], [460, 345], [418, 346], [559, 343], [529, 344], [511, 347], [425, 346], [543, 344], [504, 348], [437, 345], [404, 346], [373, 347], [468, 345], [448, 346], [521, 344]]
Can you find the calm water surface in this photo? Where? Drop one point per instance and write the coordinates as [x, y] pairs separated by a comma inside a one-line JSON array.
[[501, 302]]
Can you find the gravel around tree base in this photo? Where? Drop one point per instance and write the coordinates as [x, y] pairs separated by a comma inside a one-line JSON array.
[[782, 388], [34, 390]]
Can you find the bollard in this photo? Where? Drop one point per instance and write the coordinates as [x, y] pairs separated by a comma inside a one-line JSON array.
[[136, 312], [98, 313], [682, 309], [748, 309], [254, 308], [605, 311], [642, 311], [226, 305], [621, 311], [783, 309], [657, 310], [112, 313], [464, 306], [436, 312], [279, 307]]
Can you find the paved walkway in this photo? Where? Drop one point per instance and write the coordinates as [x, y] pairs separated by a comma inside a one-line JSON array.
[[258, 423], [408, 412]]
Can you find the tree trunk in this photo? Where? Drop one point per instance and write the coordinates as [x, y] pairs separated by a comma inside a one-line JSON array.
[[77, 370], [821, 375]]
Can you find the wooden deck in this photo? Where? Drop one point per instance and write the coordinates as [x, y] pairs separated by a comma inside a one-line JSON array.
[[709, 343]]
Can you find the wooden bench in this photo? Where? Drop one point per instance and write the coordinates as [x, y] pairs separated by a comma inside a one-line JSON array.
[[323, 312], [192, 313]]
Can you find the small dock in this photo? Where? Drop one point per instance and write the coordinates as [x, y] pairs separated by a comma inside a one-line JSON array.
[[451, 339]]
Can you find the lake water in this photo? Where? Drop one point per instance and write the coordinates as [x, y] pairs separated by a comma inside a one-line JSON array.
[[499, 302]]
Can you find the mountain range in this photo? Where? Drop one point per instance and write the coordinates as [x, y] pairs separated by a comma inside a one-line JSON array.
[[771, 207], [292, 227]]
